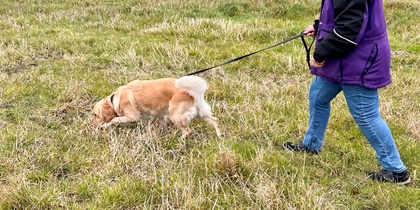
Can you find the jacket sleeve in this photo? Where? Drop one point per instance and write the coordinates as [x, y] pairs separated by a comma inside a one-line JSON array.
[[348, 19]]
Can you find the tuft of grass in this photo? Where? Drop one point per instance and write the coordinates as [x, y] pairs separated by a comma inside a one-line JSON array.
[[58, 58]]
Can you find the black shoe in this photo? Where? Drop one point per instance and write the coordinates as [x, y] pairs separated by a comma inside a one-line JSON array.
[[299, 147], [387, 176]]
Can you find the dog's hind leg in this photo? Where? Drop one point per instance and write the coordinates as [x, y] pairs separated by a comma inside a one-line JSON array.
[[182, 123], [213, 121], [180, 120], [185, 132]]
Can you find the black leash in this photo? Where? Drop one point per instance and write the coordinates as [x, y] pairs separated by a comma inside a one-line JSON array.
[[301, 35]]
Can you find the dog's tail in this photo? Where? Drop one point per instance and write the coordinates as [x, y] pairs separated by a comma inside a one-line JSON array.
[[196, 87]]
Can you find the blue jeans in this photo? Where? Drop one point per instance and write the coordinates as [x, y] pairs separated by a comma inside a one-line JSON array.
[[363, 104]]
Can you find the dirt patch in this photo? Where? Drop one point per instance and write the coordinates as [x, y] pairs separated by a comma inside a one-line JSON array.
[[21, 65]]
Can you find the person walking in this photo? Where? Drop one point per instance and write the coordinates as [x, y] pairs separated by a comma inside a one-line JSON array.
[[352, 55]]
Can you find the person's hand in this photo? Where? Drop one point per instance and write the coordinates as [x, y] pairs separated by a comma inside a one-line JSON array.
[[317, 64], [309, 31]]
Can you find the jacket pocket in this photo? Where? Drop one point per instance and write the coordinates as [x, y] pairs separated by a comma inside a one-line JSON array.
[[371, 59]]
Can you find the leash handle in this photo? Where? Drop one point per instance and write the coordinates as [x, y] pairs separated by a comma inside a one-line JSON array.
[[307, 49], [244, 56]]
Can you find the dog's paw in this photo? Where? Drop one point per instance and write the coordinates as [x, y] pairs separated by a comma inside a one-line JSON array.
[[221, 135], [105, 125]]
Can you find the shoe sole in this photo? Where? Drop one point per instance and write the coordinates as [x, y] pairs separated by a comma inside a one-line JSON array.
[[405, 182], [399, 183]]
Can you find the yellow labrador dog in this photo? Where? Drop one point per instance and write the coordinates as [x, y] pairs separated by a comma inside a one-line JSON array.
[[181, 99]]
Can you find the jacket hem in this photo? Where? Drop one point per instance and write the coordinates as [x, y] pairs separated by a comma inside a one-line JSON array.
[[358, 83]]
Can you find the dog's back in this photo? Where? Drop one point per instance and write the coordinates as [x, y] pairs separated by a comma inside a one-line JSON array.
[[153, 93]]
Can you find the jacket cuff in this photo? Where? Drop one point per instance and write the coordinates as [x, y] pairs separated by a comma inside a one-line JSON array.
[[318, 58]]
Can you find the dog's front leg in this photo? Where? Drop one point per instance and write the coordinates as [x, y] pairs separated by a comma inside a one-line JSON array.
[[122, 119]]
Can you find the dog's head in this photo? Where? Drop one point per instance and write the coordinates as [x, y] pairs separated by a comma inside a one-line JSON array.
[[103, 112]]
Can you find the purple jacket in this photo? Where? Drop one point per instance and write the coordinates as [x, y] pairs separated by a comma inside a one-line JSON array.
[[353, 41]]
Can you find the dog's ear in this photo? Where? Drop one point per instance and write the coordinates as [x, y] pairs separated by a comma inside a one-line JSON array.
[[108, 112]]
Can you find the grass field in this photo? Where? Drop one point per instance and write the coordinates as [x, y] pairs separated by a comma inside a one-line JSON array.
[[57, 58]]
